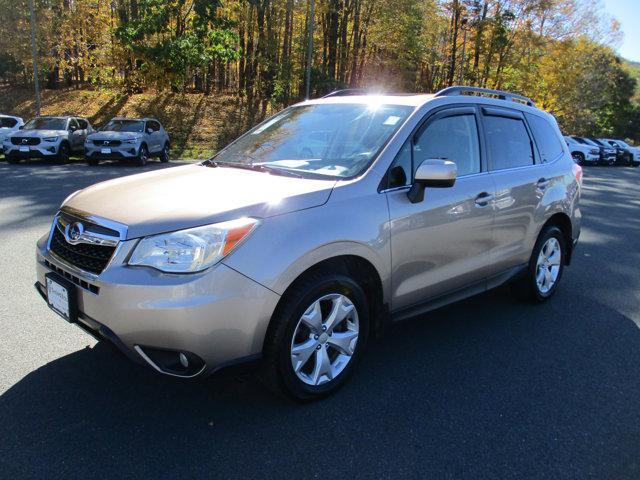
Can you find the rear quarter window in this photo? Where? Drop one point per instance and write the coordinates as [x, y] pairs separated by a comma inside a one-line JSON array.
[[545, 137]]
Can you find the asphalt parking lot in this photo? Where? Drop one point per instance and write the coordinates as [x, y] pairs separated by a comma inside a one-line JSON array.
[[488, 388]]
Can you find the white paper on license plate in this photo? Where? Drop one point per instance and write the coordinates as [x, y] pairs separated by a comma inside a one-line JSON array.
[[58, 297], [105, 151], [24, 149]]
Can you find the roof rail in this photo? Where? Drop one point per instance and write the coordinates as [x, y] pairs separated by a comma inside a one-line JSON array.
[[461, 90], [347, 92]]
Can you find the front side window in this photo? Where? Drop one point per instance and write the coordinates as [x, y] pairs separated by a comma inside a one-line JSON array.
[[333, 140], [47, 123], [83, 124], [508, 142], [154, 126], [451, 138]]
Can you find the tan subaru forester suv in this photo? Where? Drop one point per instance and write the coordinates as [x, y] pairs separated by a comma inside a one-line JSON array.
[[297, 241]]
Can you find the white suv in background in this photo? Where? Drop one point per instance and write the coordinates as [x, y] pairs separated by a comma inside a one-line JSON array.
[[8, 126], [581, 152]]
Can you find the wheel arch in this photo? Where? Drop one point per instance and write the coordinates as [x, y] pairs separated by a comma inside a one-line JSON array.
[[563, 222], [360, 269]]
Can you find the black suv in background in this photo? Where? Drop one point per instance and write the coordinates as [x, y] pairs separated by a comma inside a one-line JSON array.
[[608, 153]]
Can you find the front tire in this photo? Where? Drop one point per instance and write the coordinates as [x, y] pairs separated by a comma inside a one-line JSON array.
[[545, 268], [63, 153], [317, 336], [93, 162], [12, 158], [143, 156]]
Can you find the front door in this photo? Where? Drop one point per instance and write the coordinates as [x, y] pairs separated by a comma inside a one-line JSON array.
[[442, 243]]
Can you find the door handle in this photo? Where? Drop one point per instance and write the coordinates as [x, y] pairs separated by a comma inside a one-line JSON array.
[[542, 183], [483, 199]]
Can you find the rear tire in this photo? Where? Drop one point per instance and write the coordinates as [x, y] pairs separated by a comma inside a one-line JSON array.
[[143, 156], [301, 333], [544, 272]]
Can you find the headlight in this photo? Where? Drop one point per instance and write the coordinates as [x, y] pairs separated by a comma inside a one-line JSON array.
[[131, 140], [50, 139], [192, 250]]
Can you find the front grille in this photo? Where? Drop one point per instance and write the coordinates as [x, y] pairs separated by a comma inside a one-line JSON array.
[[25, 141], [106, 143], [91, 258]]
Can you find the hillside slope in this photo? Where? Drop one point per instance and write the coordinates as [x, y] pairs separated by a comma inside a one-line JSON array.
[[198, 124]]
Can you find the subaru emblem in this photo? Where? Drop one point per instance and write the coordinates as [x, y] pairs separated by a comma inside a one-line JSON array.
[[73, 232]]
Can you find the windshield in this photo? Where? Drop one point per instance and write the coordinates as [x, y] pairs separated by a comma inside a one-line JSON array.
[[132, 126], [598, 142], [336, 140], [47, 123], [623, 144], [7, 122]]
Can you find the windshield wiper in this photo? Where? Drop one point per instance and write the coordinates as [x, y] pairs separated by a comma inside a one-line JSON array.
[[255, 167]]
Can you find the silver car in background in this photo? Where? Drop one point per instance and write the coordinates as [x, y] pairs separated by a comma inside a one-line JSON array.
[[8, 126], [49, 138], [135, 139], [311, 231]]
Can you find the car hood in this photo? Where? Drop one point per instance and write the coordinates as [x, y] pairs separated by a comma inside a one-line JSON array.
[[194, 195], [114, 135], [39, 133]]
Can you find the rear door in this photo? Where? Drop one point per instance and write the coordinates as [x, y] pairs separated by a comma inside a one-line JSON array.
[[521, 178], [442, 243]]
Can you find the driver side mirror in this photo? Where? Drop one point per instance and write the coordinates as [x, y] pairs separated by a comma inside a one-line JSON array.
[[434, 173], [73, 128]]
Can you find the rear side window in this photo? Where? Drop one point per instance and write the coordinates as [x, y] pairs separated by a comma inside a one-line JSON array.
[[508, 142], [548, 142]]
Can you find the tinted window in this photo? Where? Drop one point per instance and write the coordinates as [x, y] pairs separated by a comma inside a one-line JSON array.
[[548, 142], [83, 124], [6, 122], [508, 142], [400, 171], [73, 123], [155, 126], [450, 138]]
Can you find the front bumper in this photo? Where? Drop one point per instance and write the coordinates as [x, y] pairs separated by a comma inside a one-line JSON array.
[[43, 150], [126, 151], [218, 315]]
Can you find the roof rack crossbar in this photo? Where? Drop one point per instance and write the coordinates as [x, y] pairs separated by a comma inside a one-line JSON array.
[[461, 90]]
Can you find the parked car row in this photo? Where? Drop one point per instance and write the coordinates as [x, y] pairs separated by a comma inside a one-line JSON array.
[[602, 151], [136, 139]]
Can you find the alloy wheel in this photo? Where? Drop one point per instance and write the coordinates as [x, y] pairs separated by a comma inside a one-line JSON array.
[[548, 265], [325, 339]]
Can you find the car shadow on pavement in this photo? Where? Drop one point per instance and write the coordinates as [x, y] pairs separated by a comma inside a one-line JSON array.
[[484, 388]]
